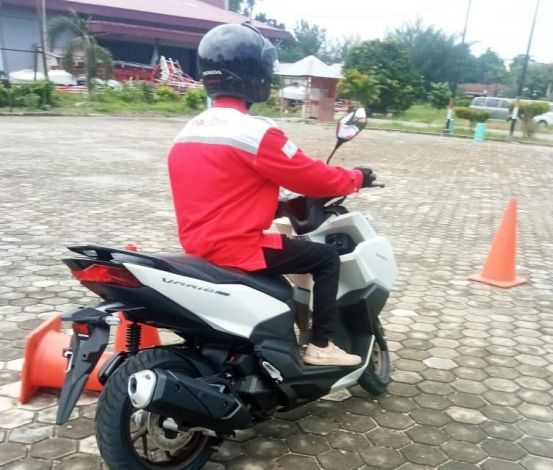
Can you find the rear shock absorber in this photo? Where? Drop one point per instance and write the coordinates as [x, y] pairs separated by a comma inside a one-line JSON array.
[[134, 331]]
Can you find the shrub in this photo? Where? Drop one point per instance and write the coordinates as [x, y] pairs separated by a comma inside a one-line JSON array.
[[4, 96], [472, 115], [148, 92], [166, 93], [272, 100], [45, 91], [528, 110], [31, 101], [195, 98], [130, 93], [107, 95], [438, 96], [463, 101]]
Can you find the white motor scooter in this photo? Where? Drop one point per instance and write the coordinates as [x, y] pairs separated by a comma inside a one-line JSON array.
[[169, 406]]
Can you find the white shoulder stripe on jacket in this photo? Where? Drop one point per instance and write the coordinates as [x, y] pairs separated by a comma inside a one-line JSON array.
[[227, 126]]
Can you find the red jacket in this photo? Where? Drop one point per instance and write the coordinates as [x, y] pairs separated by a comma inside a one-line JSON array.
[[226, 168]]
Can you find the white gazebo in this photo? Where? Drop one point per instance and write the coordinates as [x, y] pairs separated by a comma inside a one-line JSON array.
[[313, 83]]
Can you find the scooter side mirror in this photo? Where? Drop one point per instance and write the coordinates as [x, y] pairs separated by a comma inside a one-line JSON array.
[[348, 127], [351, 124]]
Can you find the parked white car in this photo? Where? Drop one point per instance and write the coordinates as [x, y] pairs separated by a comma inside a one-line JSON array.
[[545, 119]]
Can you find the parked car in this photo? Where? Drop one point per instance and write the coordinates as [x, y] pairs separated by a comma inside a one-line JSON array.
[[545, 119], [497, 107]]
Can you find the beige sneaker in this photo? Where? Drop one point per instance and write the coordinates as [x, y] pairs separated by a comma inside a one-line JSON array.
[[332, 355]]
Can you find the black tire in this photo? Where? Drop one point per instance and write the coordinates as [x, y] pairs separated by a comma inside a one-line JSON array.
[[114, 419], [376, 377]]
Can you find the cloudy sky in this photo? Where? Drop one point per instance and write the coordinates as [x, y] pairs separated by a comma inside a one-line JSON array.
[[503, 25]]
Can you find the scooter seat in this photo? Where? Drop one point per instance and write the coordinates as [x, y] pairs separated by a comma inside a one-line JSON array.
[[191, 266]]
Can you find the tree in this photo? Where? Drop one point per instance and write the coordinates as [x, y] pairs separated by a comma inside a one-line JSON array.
[[308, 39], [469, 70], [433, 53], [235, 5], [491, 68], [83, 42], [399, 82], [334, 51], [438, 57], [358, 86], [439, 94], [262, 17], [538, 82], [244, 7]]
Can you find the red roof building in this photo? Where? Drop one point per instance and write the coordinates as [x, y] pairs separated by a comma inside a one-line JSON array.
[[482, 89], [133, 30]]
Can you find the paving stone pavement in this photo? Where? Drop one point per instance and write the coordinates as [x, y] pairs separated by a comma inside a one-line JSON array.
[[473, 365]]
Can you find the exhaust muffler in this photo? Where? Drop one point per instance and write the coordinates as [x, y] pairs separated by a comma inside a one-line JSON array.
[[194, 402]]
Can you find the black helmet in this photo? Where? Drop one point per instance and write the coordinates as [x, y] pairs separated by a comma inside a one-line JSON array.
[[236, 60]]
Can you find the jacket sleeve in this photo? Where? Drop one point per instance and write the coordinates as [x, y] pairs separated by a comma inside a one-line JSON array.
[[280, 161]]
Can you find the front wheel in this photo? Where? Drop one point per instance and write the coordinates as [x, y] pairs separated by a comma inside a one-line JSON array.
[[132, 439], [376, 377]]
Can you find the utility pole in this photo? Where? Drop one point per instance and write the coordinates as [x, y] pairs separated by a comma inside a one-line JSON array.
[[3, 60], [41, 16], [514, 116], [449, 120]]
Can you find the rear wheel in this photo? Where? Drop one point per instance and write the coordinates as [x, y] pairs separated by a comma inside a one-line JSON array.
[[376, 377], [131, 439]]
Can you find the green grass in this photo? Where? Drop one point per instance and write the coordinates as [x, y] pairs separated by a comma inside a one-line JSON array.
[[78, 104], [423, 113], [109, 103], [458, 132]]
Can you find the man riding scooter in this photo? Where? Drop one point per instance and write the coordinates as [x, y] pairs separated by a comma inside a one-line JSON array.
[[226, 168]]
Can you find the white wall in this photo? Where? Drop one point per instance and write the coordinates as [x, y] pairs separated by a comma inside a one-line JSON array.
[[19, 30]]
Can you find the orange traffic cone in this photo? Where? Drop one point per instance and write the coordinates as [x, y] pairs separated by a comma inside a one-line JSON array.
[[499, 268], [44, 365], [149, 335]]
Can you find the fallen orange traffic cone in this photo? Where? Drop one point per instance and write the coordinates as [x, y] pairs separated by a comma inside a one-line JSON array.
[[44, 365], [499, 268]]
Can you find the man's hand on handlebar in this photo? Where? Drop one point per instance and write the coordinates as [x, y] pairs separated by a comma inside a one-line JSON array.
[[368, 177]]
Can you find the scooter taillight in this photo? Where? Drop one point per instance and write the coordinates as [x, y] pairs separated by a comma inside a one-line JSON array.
[[107, 275], [81, 329]]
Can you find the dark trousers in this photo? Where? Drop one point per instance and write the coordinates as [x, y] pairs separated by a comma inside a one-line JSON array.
[[323, 262]]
